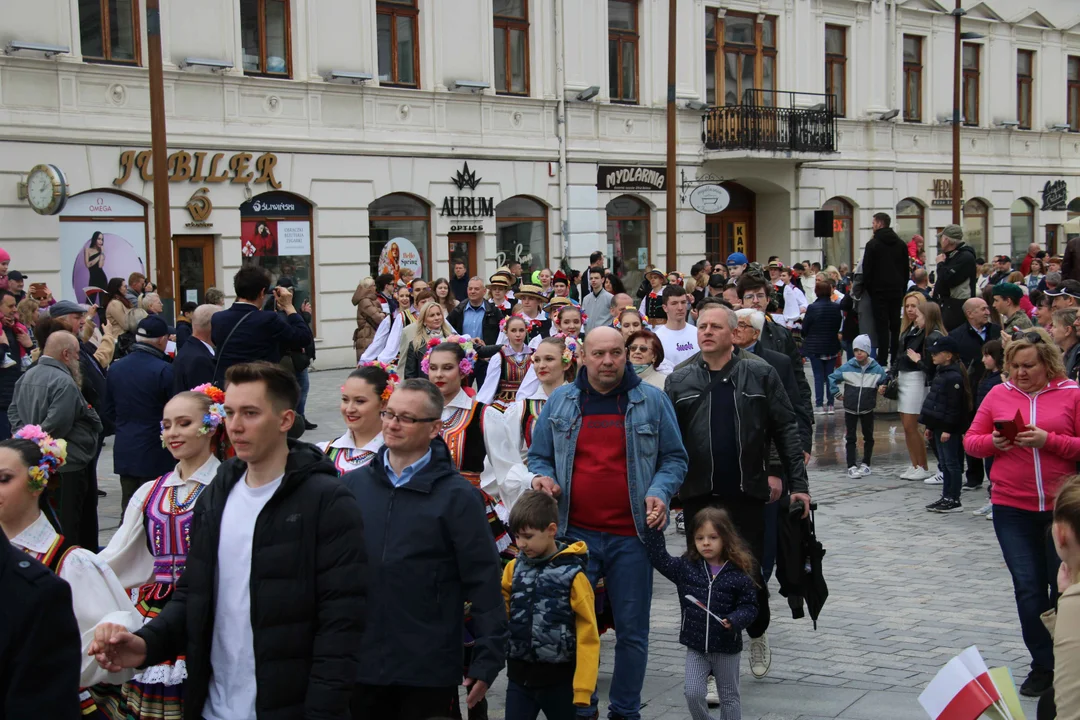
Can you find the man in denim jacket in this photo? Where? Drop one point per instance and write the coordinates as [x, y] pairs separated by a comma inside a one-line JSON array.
[[608, 448]]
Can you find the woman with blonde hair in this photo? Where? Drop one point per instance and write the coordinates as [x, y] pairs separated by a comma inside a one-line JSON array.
[[1031, 458], [909, 371], [430, 323]]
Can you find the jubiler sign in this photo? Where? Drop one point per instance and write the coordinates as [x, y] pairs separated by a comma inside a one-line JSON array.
[[610, 177]]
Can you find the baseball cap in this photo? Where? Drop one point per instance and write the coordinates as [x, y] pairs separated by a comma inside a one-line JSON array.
[[737, 258], [1068, 287], [954, 232], [66, 307], [1009, 290], [717, 281], [16, 276], [1002, 258], [153, 327], [944, 344]]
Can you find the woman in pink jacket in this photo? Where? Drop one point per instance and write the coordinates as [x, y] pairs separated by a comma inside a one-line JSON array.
[[1026, 474]]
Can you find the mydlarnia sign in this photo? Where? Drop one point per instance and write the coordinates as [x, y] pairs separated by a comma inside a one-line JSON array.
[[631, 177]]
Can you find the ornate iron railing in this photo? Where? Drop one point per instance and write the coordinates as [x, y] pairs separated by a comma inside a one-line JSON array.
[[770, 120]]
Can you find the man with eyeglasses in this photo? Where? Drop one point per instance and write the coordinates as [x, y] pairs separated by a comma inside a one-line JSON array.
[[430, 550]]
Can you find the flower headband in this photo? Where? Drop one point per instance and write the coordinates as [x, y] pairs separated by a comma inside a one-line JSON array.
[[558, 311], [392, 377], [53, 454], [215, 415], [467, 362], [530, 323], [571, 346], [629, 308]]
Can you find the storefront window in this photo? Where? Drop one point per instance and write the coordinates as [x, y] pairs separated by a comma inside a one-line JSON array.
[[976, 217], [1023, 228], [275, 233], [400, 235], [838, 248], [628, 238], [521, 234], [909, 219], [1072, 228]]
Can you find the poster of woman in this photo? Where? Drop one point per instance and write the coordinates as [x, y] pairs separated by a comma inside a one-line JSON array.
[[258, 238], [94, 257], [93, 253], [398, 254]]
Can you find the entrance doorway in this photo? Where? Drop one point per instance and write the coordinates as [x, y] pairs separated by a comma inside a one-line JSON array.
[[733, 229], [194, 268], [462, 246]]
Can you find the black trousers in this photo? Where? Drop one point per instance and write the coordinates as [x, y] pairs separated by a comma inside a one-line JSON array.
[[70, 495], [396, 702], [748, 515], [886, 312], [852, 422], [128, 485]]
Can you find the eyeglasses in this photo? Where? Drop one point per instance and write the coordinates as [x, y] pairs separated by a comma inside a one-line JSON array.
[[755, 296], [388, 416], [639, 348], [1032, 337], [744, 326]]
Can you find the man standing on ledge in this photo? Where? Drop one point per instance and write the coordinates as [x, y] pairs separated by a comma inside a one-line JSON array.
[[732, 404], [607, 447], [885, 277]]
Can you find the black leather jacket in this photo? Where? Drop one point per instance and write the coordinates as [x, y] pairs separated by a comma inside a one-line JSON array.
[[763, 413]]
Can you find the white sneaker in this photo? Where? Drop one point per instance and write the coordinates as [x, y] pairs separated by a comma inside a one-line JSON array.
[[935, 479], [912, 473], [8, 362], [818, 410], [864, 469], [853, 472], [984, 510], [990, 515], [760, 656], [712, 696]]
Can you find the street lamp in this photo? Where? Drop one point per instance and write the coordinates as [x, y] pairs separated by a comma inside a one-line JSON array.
[[958, 49]]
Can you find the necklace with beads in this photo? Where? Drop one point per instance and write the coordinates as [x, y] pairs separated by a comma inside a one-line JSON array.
[[183, 506]]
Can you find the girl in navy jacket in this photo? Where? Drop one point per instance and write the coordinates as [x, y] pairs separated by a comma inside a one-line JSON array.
[[945, 413], [718, 599]]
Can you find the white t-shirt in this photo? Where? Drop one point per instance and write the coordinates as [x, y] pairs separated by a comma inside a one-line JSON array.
[[232, 652], [678, 344]]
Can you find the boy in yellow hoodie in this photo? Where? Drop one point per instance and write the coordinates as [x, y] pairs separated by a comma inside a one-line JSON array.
[[553, 655]]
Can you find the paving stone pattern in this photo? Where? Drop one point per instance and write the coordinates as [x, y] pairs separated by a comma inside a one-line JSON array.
[[908, 590]]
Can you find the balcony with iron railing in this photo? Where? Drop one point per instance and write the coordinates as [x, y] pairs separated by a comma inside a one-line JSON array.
[[770, 120]]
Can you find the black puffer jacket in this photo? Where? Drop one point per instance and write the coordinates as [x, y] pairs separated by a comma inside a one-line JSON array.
[[763, 414], [946, 407], [885, 265], [778, 338], [308, 584], [956, 276]]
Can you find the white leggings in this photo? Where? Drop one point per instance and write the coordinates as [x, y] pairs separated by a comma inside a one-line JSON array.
[[723, 667]]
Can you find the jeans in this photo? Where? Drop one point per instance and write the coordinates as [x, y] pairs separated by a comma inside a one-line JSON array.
[[748, 515], [628, 576], [849, 352], [526, 703], [822, 367], [852, 422], [768, 555], [950, 455], [886, 312], [1028, 548], [305, 385]]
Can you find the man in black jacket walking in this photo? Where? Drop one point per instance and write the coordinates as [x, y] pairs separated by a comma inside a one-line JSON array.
[[431, 551], [270, 609], [730, 404], [976, 331], [885, 277], [955, 276]]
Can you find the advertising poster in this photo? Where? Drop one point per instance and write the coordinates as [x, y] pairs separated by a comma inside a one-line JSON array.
[[259, 238], [397, 254], [102, 236], [294, 237]]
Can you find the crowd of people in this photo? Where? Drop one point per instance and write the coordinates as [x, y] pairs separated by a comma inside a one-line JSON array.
[[509, 464]]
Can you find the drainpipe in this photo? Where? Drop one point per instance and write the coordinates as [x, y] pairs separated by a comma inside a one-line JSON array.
[[892, 55], [561, 132]]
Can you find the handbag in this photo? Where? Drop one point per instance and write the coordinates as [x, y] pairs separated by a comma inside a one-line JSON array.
[[892, 388]]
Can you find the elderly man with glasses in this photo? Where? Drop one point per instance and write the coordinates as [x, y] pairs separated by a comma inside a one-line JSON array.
[[429, 551]]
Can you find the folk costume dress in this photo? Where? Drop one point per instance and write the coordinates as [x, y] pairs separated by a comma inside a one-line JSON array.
[[346, 456], [505, 371], [508, 435], [148, 554], [652, 306], [96, 597], [390, 346]]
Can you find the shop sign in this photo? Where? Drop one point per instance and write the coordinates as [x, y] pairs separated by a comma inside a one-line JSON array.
[[294, 237], [709, 199], [467, 207], [942, 190], [275, 204], [631, 177], [520, 256], [1055, 195], [195, 167], [200, 207], [739, 236]]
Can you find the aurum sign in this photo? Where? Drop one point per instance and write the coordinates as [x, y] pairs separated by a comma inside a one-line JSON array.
[[196, 167]]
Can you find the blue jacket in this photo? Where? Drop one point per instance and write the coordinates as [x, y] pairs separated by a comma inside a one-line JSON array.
[[821, 328], [136, 390], [730, 595], [946, 407], [656, 459], [262, 336], [194, 365], [860, 385]]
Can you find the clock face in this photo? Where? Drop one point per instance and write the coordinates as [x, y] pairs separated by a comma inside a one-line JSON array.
[[39, 190]]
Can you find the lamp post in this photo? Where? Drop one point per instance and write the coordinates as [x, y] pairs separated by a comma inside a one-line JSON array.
[[163, 251], [958, 74], [672, 139]]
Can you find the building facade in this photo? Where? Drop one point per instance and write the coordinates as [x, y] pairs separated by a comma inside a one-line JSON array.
[[328, 140]]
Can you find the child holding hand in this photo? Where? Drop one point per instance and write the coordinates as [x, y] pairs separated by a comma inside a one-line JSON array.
[[718, 599]]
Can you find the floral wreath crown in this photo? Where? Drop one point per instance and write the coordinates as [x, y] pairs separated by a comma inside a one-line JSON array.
[[571, 346], [467, 363], [53, 454], [558, 311], [215, 414], [392, 379], [530, 323], [629, 308]]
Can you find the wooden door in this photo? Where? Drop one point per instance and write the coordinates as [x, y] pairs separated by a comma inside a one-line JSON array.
[[462, 246], [193, 267]]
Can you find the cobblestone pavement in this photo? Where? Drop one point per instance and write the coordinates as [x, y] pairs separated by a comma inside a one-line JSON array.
[[908, 590]]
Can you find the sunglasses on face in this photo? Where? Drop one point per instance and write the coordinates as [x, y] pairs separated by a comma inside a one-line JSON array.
[[1032, 337], [640, 348]]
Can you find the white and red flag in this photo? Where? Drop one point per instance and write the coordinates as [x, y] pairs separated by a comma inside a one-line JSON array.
[[956, 694]]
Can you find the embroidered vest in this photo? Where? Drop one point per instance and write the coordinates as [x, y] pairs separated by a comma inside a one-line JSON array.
[[54, 557], [168, 532], [348, 459], [542, 624], [530, 411], [513, 372]]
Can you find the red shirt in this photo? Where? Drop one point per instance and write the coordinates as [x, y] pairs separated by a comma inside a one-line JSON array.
[[600, 490]]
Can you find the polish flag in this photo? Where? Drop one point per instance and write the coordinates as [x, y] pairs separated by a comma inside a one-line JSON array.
[[975, 664], [955, 694]]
